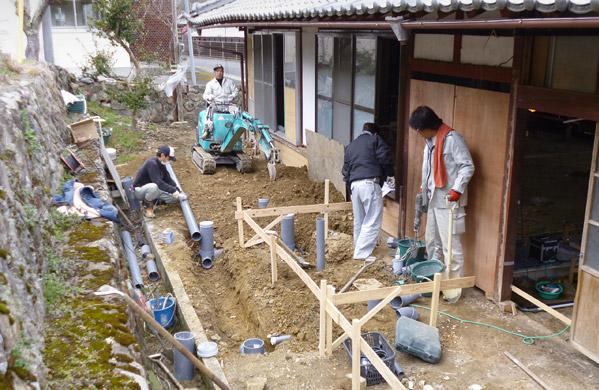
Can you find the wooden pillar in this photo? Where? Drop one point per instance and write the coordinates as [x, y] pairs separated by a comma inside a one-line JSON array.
[[435, 300], [355, 354], [323, 318], [273, 258], [329, 335], [240, 222]]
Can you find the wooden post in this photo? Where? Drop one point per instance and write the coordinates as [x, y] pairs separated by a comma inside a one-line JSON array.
[[273, 258], [435, 300], [355, 354], [326, 213], [329, 336], [323, 318], [240, 222]]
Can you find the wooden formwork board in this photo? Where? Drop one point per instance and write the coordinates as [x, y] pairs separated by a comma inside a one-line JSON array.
[[325, 293]]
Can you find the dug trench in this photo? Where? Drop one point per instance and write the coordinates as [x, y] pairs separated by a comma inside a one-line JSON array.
[[235, 301]]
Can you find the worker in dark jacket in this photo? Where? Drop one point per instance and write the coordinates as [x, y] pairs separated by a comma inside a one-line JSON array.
[[366, 165], [153, 182]]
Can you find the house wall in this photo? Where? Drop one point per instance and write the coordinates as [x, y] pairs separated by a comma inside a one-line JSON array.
[[308, 80]]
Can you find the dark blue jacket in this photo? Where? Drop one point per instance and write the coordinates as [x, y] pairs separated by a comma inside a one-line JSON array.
[[367, 157], [152, 171], [90, 197]]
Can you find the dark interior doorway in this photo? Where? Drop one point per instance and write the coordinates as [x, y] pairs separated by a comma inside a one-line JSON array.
[[279, 84], [387, 89]]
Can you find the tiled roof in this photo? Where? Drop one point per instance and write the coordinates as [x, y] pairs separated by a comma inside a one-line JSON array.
[[224, 11]]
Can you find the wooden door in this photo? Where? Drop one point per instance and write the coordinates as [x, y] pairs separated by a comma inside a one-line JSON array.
[[585, 332]]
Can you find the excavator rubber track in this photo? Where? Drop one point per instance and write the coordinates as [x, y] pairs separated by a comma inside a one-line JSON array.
[[203, 160], [244, 165]]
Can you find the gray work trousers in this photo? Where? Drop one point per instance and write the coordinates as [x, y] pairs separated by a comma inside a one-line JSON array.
[[150, 192], [367, 205]]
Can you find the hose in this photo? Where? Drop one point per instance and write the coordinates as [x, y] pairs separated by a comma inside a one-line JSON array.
[[529, 340]]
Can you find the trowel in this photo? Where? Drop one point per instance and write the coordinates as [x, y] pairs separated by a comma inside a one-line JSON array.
[[452, 295]]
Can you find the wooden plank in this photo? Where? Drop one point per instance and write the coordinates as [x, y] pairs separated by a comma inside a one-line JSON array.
[[290, 117], [240, 222], [584, 328], [543, 306], [273, 258], [256, 239], [338, 317], [298, 270], [372, 312], [390, 217], [339, 340], [575, 104], [284, 210], [485, 126], [323, 317], [478, 72], [407, 289], [381, 367], [329, 335], [356, 337], [435, 300], [113, 172], [528, 371]]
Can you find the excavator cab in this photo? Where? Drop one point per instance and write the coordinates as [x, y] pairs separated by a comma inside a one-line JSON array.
[[218, 134]]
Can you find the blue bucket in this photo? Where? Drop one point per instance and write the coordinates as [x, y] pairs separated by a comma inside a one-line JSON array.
[[166, 315]]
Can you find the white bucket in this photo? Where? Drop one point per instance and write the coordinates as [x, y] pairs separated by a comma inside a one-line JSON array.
[[167, 236], [111, 153]]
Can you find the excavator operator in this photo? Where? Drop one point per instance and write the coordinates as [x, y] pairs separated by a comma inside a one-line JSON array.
[[219, 93]]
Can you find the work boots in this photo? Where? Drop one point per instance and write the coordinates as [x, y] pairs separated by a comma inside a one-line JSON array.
[[149, 209]]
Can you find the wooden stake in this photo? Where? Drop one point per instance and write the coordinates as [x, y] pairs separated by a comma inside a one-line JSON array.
[[435, 300], [323, 318], [355, 354], [273, 258], [326, 213], [526, 370], [543, 306], [240, 222], [329, 336]]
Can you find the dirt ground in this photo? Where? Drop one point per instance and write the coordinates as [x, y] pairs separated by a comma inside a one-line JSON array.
[[235, 301]]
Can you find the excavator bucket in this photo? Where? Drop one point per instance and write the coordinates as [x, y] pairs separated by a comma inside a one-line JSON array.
[[272, 171]]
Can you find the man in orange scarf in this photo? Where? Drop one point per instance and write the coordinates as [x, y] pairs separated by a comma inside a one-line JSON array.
[[447, 168]]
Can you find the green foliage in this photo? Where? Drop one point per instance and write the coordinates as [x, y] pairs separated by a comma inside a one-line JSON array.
[[31, 137], [123, 138], [24, 343], [59, 279], [135, 95], [8, 67], [32, 216], [60, 222], [66, 177], [99, 64], [118, 20]]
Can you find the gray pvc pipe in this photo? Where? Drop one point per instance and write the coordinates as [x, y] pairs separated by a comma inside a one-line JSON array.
[[183, 367], [145, 250], [189, 218], [134, 203], [407, 312], [207, 252], [288, 231], [405, 300], [153, 274], [263, 202], [132, 260], [320, 244]]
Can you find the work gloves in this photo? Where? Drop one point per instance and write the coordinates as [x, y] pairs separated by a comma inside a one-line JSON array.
[[179, 196], [391, 181], [453, 196]]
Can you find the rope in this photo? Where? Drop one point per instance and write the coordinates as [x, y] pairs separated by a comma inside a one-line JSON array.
[[525, 339]]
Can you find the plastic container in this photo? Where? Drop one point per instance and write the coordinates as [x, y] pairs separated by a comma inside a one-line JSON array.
[[165, 315], [425, 271], [418, 339], [207, 349], [382, 348], [111, 153], [549, 295], [252, 346], [405, 244], [167, 236]]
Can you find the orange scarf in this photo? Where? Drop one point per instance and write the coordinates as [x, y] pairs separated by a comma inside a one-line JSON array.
[[439, 161]]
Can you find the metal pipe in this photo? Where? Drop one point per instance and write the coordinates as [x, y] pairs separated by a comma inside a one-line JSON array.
[[153, 274], [183, 367], [189, 218], [320, 244], [132, 260], [554, 306]]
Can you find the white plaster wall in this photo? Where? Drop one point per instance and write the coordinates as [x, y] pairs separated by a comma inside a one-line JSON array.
[[227, 32], [9, 24], [436, 47], [308, 80], [72, 46], [491, 50]]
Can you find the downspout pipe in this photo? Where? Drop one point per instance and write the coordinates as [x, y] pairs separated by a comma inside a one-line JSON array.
[[132, 260], [189, 218]]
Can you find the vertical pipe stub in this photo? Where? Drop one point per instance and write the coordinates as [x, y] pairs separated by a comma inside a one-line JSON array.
[[320, 244], [263, 202], [183, 367], [207, 243], [288, 231], [134, 203]]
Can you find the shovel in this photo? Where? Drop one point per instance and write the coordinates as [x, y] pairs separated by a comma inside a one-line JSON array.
[[452, 295], [367, 263]]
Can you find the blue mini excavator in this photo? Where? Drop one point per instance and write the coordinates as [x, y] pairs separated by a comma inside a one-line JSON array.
[[219, 140]]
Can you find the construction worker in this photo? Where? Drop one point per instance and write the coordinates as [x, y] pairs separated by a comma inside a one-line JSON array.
[[366, 164], [153, 183], [445, 177], [219, 92]]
